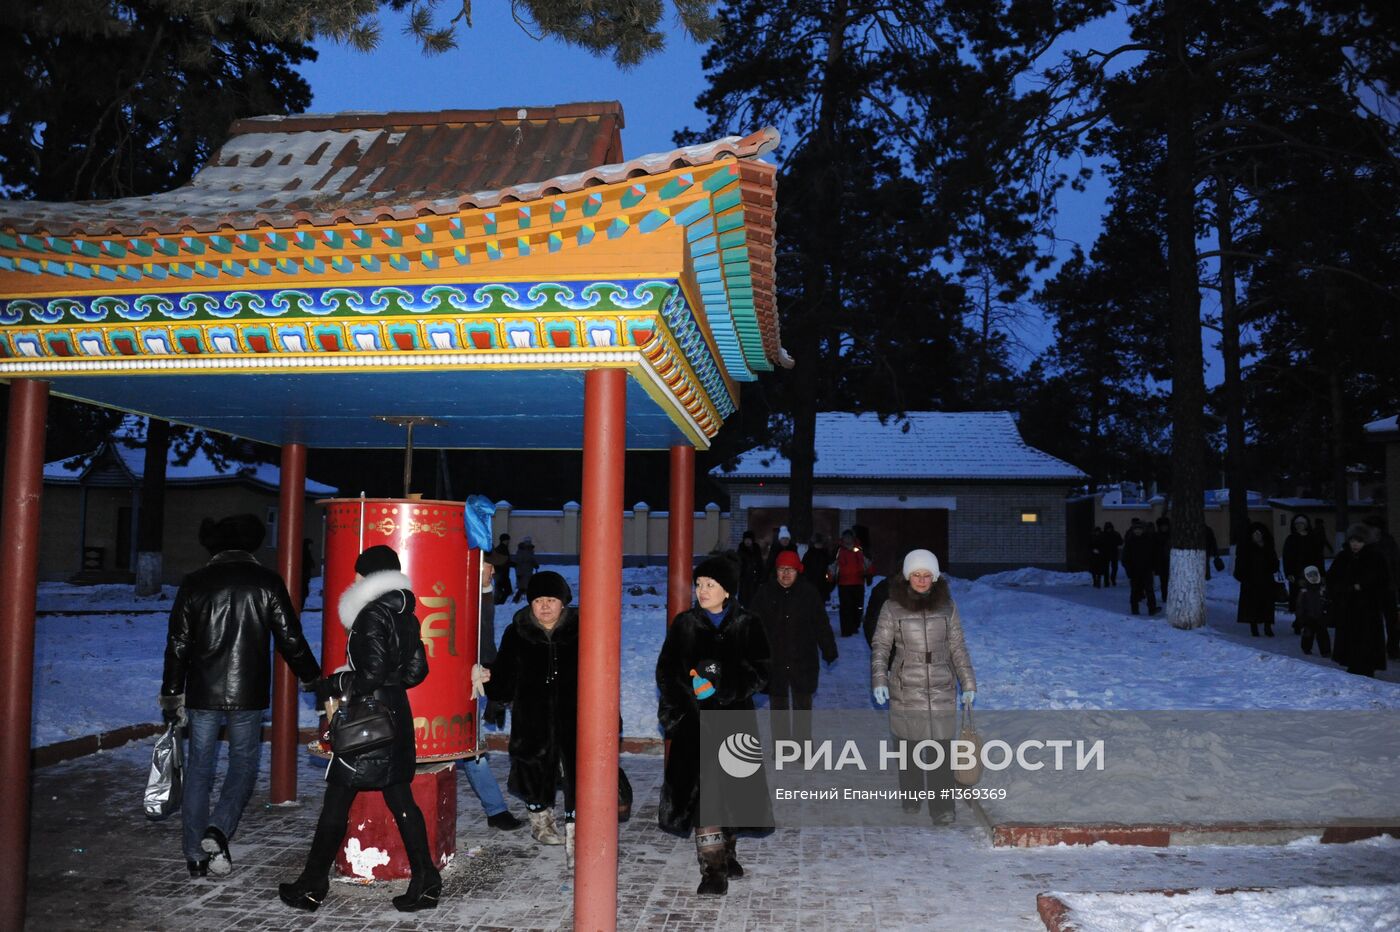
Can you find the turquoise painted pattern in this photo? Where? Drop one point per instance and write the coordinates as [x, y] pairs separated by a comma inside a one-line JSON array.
[[342, 301]]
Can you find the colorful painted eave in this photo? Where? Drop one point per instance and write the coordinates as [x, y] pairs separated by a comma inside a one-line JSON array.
[[722, 211]]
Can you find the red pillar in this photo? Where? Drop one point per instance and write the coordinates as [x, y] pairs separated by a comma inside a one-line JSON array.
[[19, 550], [600, 648], [291, 504], [680, 531]]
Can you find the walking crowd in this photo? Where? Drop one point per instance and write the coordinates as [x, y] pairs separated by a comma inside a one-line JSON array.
[[759, 625], [1357, 594]]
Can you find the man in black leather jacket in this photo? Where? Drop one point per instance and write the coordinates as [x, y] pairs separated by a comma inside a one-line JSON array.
[[218, 670]]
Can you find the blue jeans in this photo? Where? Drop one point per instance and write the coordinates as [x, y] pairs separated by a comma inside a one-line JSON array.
[[244, 755], [484, 785]]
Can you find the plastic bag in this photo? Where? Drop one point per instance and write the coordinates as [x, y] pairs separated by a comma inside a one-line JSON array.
[[165, 785]]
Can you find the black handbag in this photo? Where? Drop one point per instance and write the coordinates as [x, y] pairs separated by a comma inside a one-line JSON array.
[[362, 726]]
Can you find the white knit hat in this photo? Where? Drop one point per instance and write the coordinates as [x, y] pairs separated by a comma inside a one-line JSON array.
[[784, 533], [917, 560]]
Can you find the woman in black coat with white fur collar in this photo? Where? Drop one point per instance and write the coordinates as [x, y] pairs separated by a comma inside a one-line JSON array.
[[385, 659]]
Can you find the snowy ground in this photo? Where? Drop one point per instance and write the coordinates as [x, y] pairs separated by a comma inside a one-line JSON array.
[[1300, 909], [1066, 646]]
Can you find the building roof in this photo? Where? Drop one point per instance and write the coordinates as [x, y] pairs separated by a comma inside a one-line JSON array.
[[200, 470], [920, 445], [322, 169], [1383, 428]]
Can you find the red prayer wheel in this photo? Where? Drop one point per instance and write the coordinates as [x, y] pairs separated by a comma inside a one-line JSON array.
[[431, 542]]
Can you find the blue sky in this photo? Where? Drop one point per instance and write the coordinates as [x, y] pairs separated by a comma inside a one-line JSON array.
[[498, 64]]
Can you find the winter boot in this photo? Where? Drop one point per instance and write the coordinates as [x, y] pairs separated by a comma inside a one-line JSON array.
[[305, 892], [731, 861], [569, 845], [1268, 630], [543, 828], [714, 874], [215, 845]]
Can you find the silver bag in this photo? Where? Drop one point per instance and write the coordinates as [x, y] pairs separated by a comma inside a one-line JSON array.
[[165, 785]]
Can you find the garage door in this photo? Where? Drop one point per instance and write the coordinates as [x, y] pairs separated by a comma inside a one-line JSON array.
[[896, 531]]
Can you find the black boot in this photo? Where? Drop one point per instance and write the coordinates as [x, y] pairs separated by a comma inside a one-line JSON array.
[[425, 888], [1268, 631], [731, 861], [304, 893], [714, 873], [1253, 630]]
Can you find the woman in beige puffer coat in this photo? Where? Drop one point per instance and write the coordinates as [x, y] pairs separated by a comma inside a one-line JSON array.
[[920, 625]]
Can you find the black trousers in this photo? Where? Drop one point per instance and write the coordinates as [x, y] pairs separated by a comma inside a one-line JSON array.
[[852, 600], [335, 817], [789, 712], [1316, 627], [1140, 587], [913, 779]]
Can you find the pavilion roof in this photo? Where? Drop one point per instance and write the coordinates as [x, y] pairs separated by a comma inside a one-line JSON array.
[[419, 250]]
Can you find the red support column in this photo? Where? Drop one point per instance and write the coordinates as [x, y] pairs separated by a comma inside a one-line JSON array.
[[19, 550], [680, 531], [291, 505], [600, 648]]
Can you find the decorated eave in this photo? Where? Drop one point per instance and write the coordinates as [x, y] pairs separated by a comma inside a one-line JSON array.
[[314, 245]]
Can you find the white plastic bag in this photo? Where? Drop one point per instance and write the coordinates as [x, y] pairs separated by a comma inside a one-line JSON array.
[[165, 785]]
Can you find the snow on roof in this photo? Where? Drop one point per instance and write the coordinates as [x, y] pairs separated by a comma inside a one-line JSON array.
[[200, 469], [921, 445], [1386, 425]]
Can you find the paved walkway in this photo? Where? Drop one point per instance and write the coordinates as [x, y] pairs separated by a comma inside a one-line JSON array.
[[96, 863], [1220, 619]]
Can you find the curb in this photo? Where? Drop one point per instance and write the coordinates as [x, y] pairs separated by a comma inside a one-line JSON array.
[[1013, 835]]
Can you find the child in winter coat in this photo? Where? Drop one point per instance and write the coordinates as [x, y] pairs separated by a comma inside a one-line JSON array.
[[1312, 612]]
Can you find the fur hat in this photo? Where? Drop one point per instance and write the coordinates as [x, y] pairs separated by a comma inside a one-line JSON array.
[[916, 560], [377, 558], [722, 570], [236, 532], [789, 558], [549, 584], [1360, 532]]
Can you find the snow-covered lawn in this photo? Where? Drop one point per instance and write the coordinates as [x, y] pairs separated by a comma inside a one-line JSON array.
[[94, 672]]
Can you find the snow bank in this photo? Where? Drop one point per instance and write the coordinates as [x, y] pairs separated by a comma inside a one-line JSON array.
[[1031, 576], [1301, 909]]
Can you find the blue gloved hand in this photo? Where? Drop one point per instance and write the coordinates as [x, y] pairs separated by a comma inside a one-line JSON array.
[[881, 694], [969, 696]]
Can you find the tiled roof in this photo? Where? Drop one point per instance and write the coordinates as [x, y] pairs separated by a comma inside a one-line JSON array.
[[922, 445], [367, 167]]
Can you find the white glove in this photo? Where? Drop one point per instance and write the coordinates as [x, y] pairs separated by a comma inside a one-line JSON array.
[[480, 677], [881, 694], [969, 697]]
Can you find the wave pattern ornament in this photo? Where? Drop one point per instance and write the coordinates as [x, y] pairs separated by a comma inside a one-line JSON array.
[[454, 316]]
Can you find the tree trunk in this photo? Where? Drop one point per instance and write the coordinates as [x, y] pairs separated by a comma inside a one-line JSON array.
[[1340, 492], [1186, 606], [1232, 394], [819, 294], [150, 536]]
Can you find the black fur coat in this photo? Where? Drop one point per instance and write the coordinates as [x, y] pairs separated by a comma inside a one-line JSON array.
[[740, 647]]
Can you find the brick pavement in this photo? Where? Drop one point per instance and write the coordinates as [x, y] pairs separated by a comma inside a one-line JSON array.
[[96, 863]]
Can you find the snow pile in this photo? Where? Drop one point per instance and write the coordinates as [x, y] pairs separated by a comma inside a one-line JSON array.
[[1030, 576], [1301, 909]]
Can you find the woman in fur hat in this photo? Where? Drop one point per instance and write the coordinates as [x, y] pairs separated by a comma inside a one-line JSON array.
[[920, 623], [1359, 584], [715, 657], [385, 659]]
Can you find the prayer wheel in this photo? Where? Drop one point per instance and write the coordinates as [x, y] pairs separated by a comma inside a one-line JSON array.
[[431, 542]]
